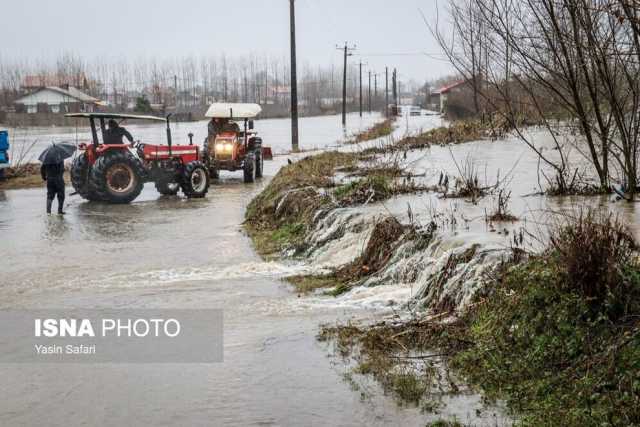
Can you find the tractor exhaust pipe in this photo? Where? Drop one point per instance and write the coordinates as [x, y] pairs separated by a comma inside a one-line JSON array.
[[169, 133]]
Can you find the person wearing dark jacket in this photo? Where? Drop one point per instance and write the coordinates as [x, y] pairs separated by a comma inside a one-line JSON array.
[[218, 125], [54, 175], [115, 133]]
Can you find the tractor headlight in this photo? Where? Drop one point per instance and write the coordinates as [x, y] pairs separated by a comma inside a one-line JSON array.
[[224, 148]]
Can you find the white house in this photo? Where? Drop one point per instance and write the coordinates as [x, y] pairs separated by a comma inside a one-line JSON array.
[[53, 99]]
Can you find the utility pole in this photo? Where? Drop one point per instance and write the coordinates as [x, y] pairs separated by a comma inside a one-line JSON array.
[[294, 79], [386, 91], [333, 87], [347, 53], [245, 88], [266, 82], [175, 88], [361, 64], [375, 91], [369, 95], [395, 87]]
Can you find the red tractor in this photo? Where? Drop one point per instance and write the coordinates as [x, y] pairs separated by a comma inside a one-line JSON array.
[[233, 148], [116, 173]]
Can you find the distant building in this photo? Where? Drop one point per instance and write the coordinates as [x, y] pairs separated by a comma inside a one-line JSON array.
[[280, 92], [32, 83], [330, 102], [54, 99], [440, 96]]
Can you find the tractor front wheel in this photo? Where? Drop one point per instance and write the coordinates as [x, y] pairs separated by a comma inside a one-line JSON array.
[[167, 187], [249, 168], [117, 177], [80, 171], [214, 173], [195, 180], [259, 163]]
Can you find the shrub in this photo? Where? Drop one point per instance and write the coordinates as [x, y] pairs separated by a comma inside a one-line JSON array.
[[595, 251]]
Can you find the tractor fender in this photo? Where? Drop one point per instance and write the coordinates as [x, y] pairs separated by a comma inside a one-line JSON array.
[[80, 170]]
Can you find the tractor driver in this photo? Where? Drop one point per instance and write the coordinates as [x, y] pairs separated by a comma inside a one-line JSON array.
[[115, 133], [218, 125]]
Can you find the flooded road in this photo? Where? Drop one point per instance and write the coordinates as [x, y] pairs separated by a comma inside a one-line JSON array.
[[315, 133], [177, 253]]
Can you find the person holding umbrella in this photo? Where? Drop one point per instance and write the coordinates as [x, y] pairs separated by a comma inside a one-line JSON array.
[[52, 171]]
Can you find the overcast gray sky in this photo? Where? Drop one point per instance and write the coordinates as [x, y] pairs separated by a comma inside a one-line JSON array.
[[385, 32]]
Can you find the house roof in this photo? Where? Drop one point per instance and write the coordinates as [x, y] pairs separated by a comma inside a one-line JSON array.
[[448, 88], [72, 92], [34, 81], [114, 116]]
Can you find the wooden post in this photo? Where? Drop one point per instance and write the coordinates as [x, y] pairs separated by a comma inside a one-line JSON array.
[[294, 80]]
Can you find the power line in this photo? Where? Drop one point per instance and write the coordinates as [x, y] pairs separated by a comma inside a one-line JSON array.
[[435, 56]]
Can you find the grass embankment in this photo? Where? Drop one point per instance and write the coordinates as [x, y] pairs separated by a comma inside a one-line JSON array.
[[556, 336], [458, 132], [282, 216], [279, 216], [379, 130], [25, 176]]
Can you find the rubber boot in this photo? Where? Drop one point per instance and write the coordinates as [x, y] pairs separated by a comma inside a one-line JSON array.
[[49, 203], [61, 204]]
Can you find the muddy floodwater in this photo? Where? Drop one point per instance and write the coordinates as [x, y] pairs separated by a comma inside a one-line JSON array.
[[176, 253]]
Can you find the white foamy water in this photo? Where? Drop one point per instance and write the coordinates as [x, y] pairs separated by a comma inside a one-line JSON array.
[[465, 246]]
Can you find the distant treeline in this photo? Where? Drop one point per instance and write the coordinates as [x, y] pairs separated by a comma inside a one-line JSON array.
[[186, 82]]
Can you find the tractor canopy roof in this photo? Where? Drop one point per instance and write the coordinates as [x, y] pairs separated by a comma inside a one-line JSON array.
[[115, 116], [233, 111]]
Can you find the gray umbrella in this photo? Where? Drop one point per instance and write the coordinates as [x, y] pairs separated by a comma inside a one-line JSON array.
[[57, 152]]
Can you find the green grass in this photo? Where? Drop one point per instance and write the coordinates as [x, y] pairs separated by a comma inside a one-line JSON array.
[[341, 288], [378, 130], [310, 283], [378, 185], [445, 423], [542, 348], [269, 241]]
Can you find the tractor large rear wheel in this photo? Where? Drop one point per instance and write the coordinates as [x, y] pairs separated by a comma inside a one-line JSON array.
[[80, 171], [249, 168], [195, 180], [117, 177]]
